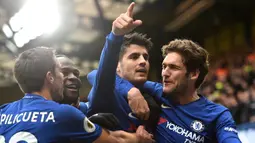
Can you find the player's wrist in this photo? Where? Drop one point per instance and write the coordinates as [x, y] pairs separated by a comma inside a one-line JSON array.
[[115, 37]]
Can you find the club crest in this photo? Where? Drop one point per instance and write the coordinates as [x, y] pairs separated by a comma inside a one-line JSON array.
[[197, 126]]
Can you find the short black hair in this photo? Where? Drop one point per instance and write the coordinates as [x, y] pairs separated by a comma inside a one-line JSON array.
[[31, 67], [135, 38]]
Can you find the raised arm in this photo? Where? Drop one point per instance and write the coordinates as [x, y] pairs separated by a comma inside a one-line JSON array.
[[122, 86], [105, 78], [104, 81]]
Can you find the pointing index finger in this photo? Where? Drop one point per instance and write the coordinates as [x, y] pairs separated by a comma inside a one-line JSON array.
[[130, 9]]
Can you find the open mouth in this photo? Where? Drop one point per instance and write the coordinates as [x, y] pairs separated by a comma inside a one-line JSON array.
[[141, 70]]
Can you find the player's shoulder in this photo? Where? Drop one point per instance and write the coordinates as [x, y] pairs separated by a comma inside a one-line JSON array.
[[47, 105], [67, 111], [213, 108], [4, 106], [9, 105]]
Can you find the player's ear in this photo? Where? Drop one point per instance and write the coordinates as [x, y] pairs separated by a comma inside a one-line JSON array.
[[49, 77], [194, 75], [118, 68]]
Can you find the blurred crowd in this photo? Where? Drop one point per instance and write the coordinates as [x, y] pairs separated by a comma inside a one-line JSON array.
[[231, 82]]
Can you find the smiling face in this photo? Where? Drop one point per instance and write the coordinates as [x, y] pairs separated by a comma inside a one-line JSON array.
[[134, 65], [72, 83]]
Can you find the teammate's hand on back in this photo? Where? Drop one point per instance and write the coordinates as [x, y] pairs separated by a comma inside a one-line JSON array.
[[125, 22], [138, 104]]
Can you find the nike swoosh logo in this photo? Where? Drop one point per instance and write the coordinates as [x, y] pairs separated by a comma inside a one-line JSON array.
[[131, 115], [165, 106]]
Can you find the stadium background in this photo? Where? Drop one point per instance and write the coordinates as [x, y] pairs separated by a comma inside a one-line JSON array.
[[77, 28]]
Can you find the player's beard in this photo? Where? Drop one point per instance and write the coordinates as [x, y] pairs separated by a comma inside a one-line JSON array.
[[56, 94], [179, 90]]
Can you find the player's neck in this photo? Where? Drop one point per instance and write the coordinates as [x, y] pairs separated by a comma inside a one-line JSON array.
[[188, 98], [77, 104], [43, 93], [185, 96]]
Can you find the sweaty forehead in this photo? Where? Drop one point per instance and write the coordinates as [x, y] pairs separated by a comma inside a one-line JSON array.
[[65, 62]]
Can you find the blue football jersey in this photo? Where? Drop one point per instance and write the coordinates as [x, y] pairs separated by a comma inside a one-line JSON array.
[[102, 97], [105, 78], [84, 107], [201, 121], [34, 119], [128, 120]]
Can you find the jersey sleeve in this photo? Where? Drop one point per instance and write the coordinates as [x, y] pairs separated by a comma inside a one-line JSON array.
[[73, 125], [91, 77], [103, 87], [84, 107], [122, 86], [154, 88], [226, 128]]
